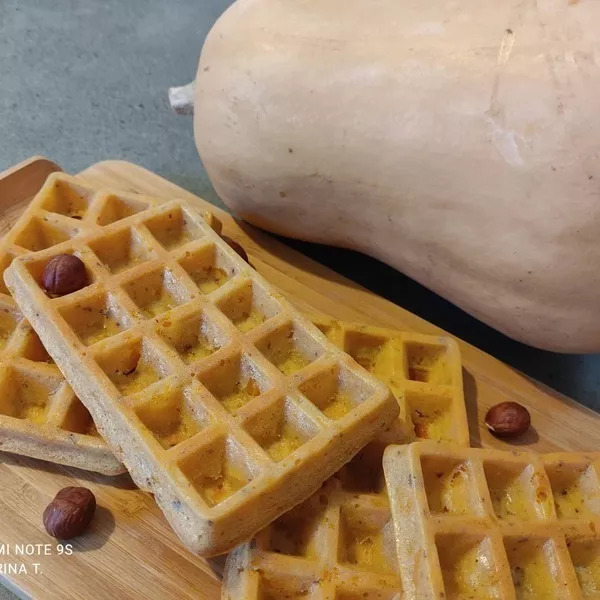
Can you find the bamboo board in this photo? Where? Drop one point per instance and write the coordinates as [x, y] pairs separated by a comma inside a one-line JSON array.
[[130, 552]]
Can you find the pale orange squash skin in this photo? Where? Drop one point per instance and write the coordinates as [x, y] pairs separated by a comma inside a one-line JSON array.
[[457, 141]]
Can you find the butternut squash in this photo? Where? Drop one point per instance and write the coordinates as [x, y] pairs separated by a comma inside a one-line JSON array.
[[458, 141]]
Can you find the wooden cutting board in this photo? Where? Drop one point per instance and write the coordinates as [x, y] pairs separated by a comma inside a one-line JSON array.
[[130, 552]]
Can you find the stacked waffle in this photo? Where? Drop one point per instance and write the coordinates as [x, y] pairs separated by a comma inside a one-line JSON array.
[[339, 544], [245, 418], [218, 397]]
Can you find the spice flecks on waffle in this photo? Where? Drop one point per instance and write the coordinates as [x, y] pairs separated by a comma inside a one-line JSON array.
[[490, 524], [424, 372], [223, 400]]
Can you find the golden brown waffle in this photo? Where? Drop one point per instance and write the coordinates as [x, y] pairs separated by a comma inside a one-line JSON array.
[[40, 415], [219, 397], [339, 543], [489, 524], [45, 419], [423, 371]]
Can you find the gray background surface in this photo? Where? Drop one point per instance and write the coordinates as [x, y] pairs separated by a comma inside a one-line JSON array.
[[83, 81]]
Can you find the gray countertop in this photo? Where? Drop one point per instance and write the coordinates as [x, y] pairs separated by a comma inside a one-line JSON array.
[[86, 81]]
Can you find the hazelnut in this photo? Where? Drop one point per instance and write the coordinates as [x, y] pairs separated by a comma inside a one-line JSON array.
[[237, 247], [64, 273], [69, 514], [508, 419]]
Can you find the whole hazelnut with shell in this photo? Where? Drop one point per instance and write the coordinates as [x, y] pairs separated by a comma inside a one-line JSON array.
[[69, 514], [237, 247], [64, 273], [508, 419]]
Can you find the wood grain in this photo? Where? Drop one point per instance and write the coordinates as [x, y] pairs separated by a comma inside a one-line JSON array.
[[131, 552]]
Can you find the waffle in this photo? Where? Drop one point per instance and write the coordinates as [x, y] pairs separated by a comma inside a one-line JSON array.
[[424, 373], [64, 208], [40, 416], [489, 524], [51, 423], [336, 545], [339, 543], [219, 398]]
